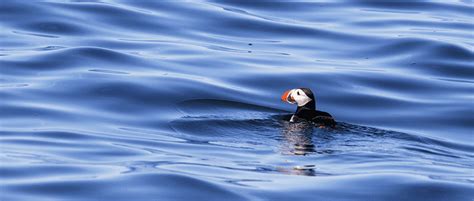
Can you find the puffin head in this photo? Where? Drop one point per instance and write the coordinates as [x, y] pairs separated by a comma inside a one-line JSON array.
[[303, 97]]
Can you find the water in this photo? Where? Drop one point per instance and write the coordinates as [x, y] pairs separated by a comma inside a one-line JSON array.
[[169, 100]]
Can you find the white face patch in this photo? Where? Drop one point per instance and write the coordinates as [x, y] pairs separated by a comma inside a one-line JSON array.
[[300, 97]]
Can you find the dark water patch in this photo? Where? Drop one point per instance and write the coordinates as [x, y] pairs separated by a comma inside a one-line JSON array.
[[258, 28], [358, 188], [450, 70], [139, 185], [452, 51], [51, 27], [117, 16], [16, 9], [62, 59]]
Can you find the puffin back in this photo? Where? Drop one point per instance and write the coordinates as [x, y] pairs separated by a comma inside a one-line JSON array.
[[316, 116]]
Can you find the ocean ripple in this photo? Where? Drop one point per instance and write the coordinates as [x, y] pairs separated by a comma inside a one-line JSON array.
[[171, 100]]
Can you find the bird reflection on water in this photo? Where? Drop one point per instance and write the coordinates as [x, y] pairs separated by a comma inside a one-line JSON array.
[[297, 139]]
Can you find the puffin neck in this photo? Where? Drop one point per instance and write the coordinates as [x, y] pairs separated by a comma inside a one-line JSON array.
[[311, 105]]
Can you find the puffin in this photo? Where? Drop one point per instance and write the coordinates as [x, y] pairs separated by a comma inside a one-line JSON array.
[[306, 109]]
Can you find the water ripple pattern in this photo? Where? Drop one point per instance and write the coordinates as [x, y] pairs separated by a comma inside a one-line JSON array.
[[179, 100]]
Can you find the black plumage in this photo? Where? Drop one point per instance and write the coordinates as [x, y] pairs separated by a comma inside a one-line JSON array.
[[309, 112]]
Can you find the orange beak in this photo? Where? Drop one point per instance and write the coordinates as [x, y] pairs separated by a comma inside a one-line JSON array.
[[286, 97]]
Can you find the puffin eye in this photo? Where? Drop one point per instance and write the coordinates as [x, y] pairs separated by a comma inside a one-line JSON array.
[[298, 93]]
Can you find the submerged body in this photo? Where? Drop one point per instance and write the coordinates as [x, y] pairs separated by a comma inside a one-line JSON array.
[[306, 110], [318, 117]]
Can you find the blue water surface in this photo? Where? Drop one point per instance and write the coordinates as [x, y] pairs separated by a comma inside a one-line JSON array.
[[179, 100]]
